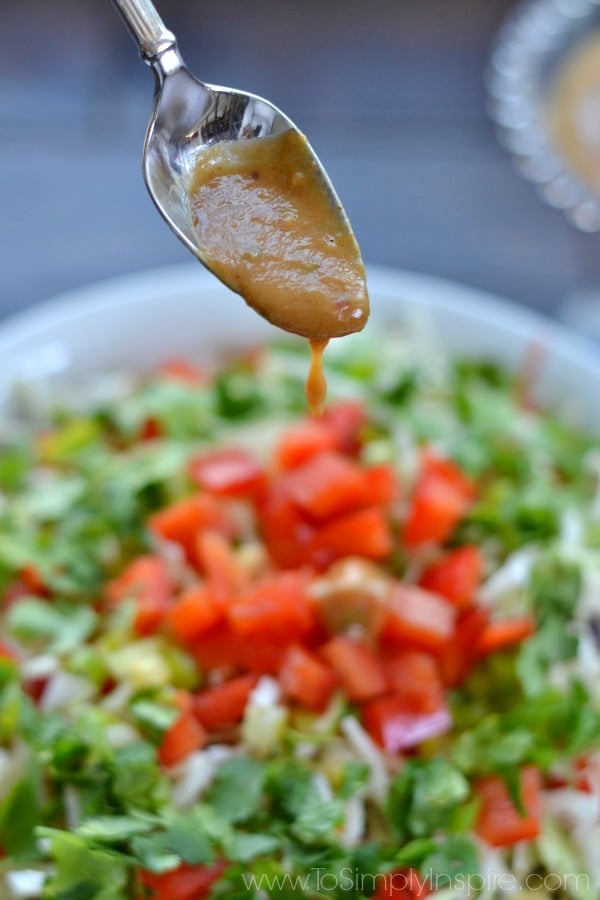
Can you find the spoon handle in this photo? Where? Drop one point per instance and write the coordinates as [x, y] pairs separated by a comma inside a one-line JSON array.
[[146, 26]]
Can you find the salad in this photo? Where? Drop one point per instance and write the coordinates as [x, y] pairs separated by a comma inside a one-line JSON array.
[[248, 654]]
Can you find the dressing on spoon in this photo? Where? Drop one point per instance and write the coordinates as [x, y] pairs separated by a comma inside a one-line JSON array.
[[268, 229]]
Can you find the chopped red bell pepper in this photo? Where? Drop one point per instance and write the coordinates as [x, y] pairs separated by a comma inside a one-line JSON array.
[[382, 484], [184, 371], [346, 419], [302, 441], [360, 672], [327, 485], [228, 472], [499, 822], [223, 704], [456, 576], [146, 580], [261, 655], [151, 429], [414, 676], [278, 608], [286, 533], [194, 613], [220, 565], [395, 727], [364, 533], [183, 883], [14, 592], [457, 657], [182, 738], [450, 471], [418, 618], [224, 648], [33, 580], [184, 520], [8, 653], [441, 497], [306, 679], [501, 635], [218, 649]]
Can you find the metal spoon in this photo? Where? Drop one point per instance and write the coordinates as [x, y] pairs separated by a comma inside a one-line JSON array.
[[188, 117]]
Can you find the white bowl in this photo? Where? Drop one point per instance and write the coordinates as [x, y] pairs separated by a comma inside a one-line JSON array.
[[140, 320]]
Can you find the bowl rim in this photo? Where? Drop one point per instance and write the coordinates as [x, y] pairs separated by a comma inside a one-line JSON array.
[[428, 292], [103, 328]]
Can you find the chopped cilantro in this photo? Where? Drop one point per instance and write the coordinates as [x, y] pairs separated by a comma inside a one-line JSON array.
[[60, 628], [237, 790], [424, 796], [555, 588]]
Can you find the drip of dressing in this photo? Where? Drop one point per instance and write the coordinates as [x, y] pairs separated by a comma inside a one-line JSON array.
[[269, 228], [316, 383]]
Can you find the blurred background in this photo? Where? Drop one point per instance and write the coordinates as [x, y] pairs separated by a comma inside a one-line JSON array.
[[390, 92]]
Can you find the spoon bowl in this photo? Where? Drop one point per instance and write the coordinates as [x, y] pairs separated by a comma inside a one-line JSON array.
[[190, 116]]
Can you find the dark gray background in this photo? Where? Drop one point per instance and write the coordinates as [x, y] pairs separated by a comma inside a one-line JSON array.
[[390, 92]]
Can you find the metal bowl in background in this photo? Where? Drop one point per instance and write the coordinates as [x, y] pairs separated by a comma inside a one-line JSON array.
[[531, 46]]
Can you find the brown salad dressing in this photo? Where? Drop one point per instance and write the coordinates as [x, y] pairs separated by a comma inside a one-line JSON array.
[[573, 110], [269, 229], [316, 384]]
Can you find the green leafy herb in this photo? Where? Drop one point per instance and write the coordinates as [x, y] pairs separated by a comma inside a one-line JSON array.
[[245, 847], [84, 872], [188, 837], [424, 796], [237, 790], [317, 819], [451, 863], [113, 829], [20, 810], [555, 587], [61, 628], [137, 781], [154, 718], [553, 642]]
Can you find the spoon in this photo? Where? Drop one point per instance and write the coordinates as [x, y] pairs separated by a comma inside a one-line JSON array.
[[191, 118]]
